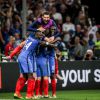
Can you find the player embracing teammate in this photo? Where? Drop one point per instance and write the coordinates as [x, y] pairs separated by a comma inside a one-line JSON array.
[[38, 62], [44, 24]]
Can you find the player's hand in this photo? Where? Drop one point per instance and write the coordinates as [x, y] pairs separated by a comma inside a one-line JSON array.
[[41, 29], [46, 39], [6, 58], [51, 39], [55, 40]]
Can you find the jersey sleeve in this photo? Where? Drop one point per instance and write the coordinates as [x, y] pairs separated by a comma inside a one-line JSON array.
[[15, 51], [33, 27], [57, 33]]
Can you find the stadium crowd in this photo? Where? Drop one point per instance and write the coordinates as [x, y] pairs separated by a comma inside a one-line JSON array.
[[80, 36]]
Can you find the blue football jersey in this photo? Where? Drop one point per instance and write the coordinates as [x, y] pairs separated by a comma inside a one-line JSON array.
[[29, 47]]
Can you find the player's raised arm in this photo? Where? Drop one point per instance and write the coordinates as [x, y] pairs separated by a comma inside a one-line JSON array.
[[33, 26], [15, 51]]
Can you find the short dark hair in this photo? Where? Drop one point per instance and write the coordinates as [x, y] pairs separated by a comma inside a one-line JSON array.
[[45, 13]]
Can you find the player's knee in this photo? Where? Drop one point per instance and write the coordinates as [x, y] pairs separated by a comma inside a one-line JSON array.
[[45, 77], [38, 78]]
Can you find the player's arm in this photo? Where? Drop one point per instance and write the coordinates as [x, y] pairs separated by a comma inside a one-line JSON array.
[[56, 39], [57, 34], [33, 27], [17, 49], [44, 43]]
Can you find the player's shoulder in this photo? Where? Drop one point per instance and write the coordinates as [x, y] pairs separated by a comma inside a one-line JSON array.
[[52, 20]]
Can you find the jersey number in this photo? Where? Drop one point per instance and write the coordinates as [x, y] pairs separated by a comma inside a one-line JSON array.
[[28, 45]]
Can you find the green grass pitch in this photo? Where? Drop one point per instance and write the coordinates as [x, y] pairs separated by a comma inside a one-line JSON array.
[[65, 95]]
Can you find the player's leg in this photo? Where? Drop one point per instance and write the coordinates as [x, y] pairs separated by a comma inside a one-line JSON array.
[[44, 68], [43, 72], [53, 85], [38, 80], [19, 85], [31, 80], [37, 86], [53, 78], [21, 80], [45, 85], [30, 86], [41, 88]]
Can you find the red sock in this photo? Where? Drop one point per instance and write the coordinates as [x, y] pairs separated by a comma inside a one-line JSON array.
[[20, 84], [45, 86], [53, 85], [56, 66], [37, 87], [30, 87], [41, 88], [15, 51]]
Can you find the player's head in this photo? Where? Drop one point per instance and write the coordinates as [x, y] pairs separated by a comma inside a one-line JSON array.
[[53, 29], [39, 34], [46, 17]]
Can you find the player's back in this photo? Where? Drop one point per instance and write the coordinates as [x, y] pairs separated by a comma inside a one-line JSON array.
[[29, 47]]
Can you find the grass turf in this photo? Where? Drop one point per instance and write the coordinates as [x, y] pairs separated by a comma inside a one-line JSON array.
[[65, 95]]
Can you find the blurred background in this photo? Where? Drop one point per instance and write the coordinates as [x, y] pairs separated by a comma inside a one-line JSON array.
[[77, 20]]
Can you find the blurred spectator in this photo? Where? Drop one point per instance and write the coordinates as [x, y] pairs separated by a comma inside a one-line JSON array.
[[78, 50], [68, 29], [63, 50], [56, 15], [85, 38], [89, 55], [85, 33], [16, 28], [68, 25], [5, 33], [64, 54], [6, 12], [91, 43], [81, 19], [10, 46], [17, 39], [79, 31], [1, 39], [93, 31], [16, 18], [97, 45], [18, 5], [72, 19], [63, 11]]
